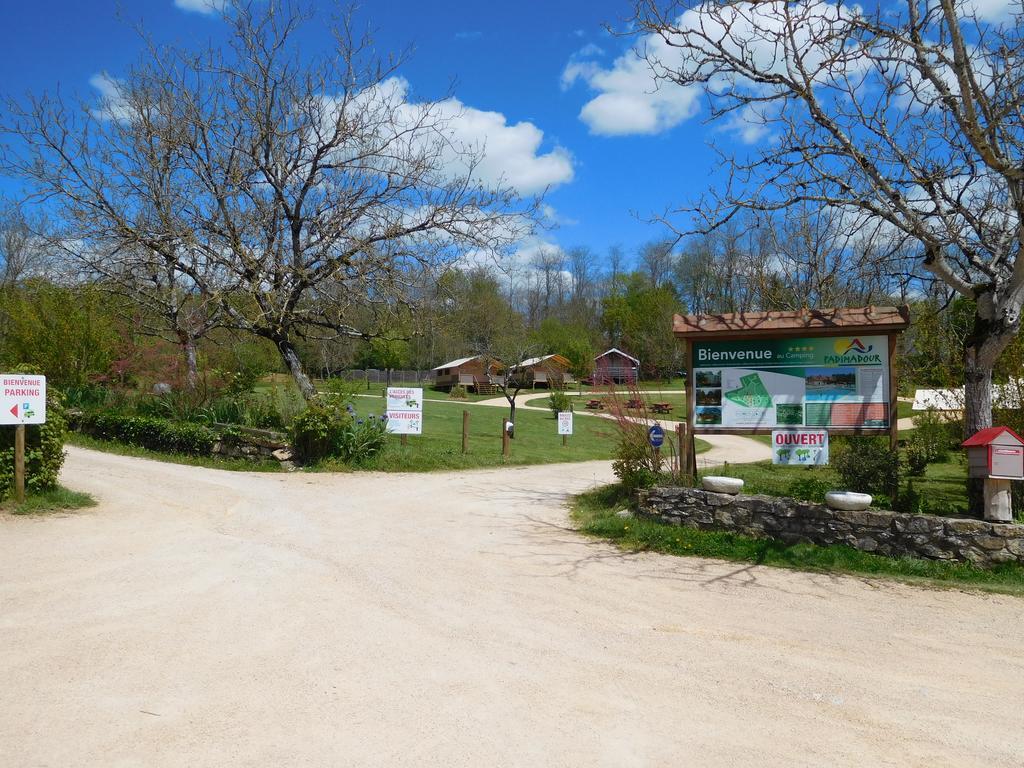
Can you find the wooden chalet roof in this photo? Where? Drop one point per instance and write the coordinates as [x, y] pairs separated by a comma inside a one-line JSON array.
[[793, 323]]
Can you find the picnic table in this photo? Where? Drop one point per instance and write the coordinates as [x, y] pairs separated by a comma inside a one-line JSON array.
[[595, 405], [661, 407], [634, 404]]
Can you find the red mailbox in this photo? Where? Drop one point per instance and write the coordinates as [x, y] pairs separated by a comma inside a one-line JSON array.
[[996, 452]]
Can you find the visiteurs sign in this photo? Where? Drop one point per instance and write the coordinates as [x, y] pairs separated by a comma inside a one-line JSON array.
[[835, 381]]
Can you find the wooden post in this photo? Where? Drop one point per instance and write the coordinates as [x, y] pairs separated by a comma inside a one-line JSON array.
[[682, 460], [504, 438], [405, 440], [565, 441], [465, 431], [19, 464], [691, 411], [894, 412]]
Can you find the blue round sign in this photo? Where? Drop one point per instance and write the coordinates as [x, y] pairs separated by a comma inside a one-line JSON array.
[[656, 435]]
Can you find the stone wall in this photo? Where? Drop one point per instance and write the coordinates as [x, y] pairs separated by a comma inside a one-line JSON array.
[[884, 533], [248, 443]]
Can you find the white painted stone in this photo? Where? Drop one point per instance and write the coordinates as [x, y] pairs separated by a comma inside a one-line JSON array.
[[624, 513], [720, 484], [847, 500]]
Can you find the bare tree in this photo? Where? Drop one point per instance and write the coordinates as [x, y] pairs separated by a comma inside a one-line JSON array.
[[502, 360], [287, 189], [904, 116], [656, 259], [22, 244], [164, 301]]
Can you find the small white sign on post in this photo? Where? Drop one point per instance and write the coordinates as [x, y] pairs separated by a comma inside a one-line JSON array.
[[804, 447], [565, 422], [22, 399], [405, 410]]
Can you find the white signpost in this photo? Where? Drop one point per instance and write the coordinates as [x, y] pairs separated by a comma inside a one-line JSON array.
[[565, 422], [22, 401], [804, 447], [405, 411]]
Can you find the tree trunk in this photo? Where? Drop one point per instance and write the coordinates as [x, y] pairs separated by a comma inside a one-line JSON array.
[[512, 417], [291, 359], [982, 349], [188, 348]]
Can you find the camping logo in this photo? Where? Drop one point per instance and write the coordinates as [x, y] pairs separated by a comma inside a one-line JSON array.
[[846, 346], [849, 351]]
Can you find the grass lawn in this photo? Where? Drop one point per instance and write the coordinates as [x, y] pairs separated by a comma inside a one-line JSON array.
[[594, 514], [235, 464], [58, 499], [536, 440]]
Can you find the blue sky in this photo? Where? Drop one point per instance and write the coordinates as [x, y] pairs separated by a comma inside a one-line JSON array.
[[609, 147]]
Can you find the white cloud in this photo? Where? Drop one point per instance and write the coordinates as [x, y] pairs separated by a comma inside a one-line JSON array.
[[112, 102], [629, 100], [634, 98], [510, 154], [201, 6]]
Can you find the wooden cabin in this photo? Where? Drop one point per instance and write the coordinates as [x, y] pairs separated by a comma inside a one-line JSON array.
[[467, 371], [615, 367], [548, 370]]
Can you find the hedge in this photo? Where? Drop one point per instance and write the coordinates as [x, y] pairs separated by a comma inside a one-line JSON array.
[[149, 432]]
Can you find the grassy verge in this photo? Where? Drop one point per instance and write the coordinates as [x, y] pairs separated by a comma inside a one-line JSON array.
[[56, 500], [107, 446], [594, 514]]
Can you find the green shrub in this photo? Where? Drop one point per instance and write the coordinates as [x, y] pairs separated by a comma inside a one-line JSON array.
[[559, 402], [635, 464], [867, 465], [809, 489], [150, 432], [935, 436], [318, 431], [917, 455], [363, 439], [458, 392], [44, 448], [330, 428]]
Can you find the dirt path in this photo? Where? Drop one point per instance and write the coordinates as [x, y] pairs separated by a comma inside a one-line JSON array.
[[206, 618]]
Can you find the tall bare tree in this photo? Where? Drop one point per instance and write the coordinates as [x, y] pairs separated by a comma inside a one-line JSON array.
[[288, 189], [905, 115], [23, 251]]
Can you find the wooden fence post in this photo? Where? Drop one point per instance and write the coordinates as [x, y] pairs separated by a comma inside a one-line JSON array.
[[465, 431], [504, 438], [19, 463]]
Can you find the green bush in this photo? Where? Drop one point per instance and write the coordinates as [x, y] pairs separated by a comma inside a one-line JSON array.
[[917, 455], [868, 465], [559, 402], [318, 431], [809, 489], [331, 428], [935, 436], [44, 448], [150, 432], [458, 392], [363, 439], [635, 463]]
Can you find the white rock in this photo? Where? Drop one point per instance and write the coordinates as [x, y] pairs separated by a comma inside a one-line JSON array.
[[624, 513], [847, 500], [720, 484], [282, 454]]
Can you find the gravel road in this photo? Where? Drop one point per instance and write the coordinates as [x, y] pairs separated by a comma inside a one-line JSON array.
[[206, 618]]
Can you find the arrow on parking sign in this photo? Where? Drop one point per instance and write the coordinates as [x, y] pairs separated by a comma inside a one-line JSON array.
[[14, 411]]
